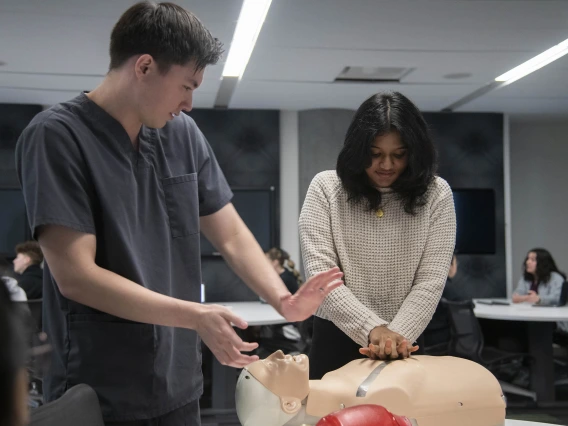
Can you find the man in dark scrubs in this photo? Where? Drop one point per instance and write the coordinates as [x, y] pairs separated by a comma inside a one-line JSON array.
[[118, 184]]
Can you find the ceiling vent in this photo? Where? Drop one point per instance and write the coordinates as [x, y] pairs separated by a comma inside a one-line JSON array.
[[373, 74]]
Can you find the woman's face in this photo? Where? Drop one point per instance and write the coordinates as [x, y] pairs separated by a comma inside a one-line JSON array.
[[530, 263], [274, 262], [389, 160]]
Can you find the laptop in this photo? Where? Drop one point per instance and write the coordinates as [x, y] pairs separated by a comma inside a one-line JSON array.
[[561, 302]]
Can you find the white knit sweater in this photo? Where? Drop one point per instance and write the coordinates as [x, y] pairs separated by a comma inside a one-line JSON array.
[[395, 267]]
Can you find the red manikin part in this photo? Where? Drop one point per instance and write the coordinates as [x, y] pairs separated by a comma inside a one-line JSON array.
[[364, 415]]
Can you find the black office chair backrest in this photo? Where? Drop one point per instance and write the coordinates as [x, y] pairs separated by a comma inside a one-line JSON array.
[[79, 406], [35, 306], [466, 337], [563, 294]]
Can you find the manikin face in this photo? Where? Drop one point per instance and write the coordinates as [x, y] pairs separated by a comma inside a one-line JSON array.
[[278, 364], [272, 388], [530, 263], [389, 160], [161, 97], [21, 262]]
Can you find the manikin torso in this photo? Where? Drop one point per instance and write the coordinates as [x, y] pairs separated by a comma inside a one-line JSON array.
[[434, 391]]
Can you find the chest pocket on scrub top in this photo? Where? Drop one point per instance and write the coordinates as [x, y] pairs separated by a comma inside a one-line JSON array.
[[182, 203]]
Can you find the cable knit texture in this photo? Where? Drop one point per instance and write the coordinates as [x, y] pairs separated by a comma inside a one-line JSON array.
[[395, 267]]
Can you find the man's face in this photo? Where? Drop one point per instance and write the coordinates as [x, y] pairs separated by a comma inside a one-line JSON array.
[[21, 262], [164, 96]]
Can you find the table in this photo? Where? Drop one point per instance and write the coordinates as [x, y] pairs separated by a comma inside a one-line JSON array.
[[255, 313], [540, 323], [224, 378]]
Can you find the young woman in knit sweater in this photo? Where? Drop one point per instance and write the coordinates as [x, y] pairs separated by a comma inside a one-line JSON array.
[[387, 220]]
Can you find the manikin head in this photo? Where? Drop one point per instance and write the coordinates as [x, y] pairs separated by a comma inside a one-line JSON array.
[[272, 388]]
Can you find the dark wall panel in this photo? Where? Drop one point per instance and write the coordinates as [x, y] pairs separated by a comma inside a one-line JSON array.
[[246, 144], [13, 120]]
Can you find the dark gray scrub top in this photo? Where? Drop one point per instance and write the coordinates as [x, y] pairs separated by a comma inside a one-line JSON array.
[[78, 168]]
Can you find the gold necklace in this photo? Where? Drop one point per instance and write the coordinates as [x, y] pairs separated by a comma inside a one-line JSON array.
[[380, 212]]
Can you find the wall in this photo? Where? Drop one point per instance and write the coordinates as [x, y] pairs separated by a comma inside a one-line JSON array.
[[539, 195], [289, 184], [470, 150]]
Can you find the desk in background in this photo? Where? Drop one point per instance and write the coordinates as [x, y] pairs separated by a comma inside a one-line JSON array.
[[541, 322]]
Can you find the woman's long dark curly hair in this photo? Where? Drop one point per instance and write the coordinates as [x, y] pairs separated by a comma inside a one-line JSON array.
[[377, 116], [545, 266]]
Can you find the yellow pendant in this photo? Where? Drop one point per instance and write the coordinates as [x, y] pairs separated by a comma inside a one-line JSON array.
[[380, 213]]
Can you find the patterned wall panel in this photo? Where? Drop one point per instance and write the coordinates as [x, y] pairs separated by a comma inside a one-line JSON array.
[[246, 144], [470, 148]]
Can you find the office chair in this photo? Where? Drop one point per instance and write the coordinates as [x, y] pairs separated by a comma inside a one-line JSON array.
[[560, 337], [31, 312], [78, 406], [35, 306], [467, 342]]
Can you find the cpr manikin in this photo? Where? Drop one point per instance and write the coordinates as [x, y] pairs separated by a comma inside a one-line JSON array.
[[431, 391]]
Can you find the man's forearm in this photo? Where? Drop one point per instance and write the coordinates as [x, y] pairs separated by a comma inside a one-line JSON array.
[[113, 294], [244, 255]]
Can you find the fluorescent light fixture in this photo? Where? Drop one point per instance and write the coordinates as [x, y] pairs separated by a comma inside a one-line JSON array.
[[249, 24], [535, 63]]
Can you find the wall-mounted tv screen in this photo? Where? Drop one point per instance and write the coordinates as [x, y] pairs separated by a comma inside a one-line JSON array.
[[256, 208], [475, 216]]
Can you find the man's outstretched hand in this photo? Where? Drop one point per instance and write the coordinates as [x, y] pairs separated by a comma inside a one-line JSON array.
[[306, 300]]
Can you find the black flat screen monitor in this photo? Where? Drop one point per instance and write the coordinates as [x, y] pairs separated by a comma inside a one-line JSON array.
[[256, 208], [475, 215]]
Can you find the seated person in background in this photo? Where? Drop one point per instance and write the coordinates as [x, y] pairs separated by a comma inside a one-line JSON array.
[[283, 336], [541, 280], [284, 266], [438, 330], [15, 291], [7, 277], [27, 264], [13, 374]]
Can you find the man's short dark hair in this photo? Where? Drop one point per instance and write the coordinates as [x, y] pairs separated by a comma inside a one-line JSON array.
[[31, 249], [165, 31]]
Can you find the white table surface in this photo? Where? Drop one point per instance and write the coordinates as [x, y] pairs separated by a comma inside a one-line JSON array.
[[520, 312], [522, 423], [255, 313]]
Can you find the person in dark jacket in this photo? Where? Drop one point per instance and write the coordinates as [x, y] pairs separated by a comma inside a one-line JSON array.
[[285, 267], [438, 330], [28, 265]]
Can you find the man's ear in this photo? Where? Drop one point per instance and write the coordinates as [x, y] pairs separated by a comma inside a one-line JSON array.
[[290, 404], [143, 64]]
